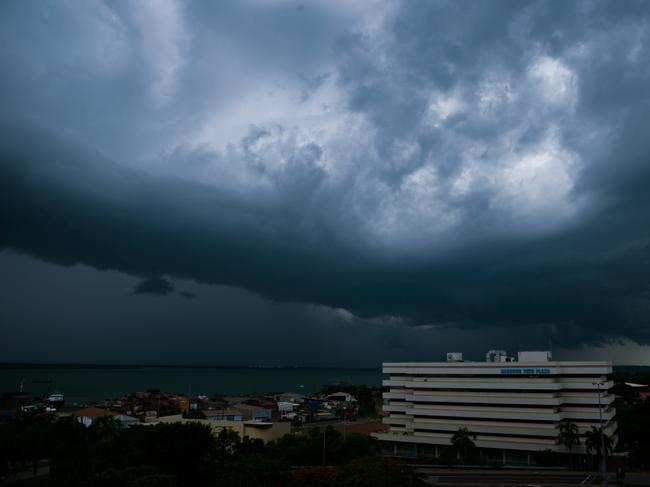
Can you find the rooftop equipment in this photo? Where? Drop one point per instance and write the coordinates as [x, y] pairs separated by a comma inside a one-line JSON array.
[[496, 356], [454, 357], [537, 356]]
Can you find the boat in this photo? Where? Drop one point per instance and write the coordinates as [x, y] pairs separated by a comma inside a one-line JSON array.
[[55, 400]]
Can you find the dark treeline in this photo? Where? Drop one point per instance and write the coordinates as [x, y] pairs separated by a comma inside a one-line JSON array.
[[633, 415], [188, 454]]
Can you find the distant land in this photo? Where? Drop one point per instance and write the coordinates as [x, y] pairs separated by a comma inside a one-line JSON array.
[[82, 383], [29, 365], [91, 382]]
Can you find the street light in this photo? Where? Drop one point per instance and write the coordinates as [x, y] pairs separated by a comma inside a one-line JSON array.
[[603, 461], [324, 431]]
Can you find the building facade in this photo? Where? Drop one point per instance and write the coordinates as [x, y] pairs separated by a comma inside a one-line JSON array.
[[513, 406]]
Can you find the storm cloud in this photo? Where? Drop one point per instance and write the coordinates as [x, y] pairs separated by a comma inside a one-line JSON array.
[[458, 166], [154, 285]]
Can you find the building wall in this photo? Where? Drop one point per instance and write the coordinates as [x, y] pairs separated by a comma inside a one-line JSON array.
[[508, 405]]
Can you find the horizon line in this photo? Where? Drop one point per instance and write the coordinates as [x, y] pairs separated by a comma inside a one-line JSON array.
[[181, 366]]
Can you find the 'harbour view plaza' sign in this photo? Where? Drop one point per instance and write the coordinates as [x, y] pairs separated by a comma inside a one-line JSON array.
[[530, 371]]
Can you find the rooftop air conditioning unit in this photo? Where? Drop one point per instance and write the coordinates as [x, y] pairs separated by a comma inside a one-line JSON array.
[[496, 356], [454, 357], [536, 356]]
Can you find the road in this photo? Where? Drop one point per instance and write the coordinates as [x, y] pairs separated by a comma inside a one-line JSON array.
[[542, 478]]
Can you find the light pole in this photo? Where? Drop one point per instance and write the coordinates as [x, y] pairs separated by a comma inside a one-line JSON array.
[[603, 453], [324, 431]]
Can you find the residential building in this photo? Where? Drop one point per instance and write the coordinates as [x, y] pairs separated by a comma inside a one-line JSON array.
[[513, 406], [231, 414], [126, 421], [258, 413], [342, 397]]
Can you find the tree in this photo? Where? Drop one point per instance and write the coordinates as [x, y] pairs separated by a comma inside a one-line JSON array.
[[194, 414], [568, 436], [257, 470], [373, 472], [104, 426], [142, 476], [593, 442], [227, 442], [463, 444]]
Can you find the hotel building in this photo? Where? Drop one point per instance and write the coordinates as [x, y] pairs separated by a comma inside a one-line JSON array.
[[513, 406]]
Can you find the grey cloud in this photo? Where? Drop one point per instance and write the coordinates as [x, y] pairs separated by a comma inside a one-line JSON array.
[[177, 331], [156, 285], [483, 166]]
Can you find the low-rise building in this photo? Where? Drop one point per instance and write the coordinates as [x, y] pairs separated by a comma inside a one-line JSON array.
[[231, 414], [254, 412], [126, 421], [345, 397]]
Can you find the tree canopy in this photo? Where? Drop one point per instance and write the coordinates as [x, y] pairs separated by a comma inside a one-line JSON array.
[[463, 444], [185, 454]]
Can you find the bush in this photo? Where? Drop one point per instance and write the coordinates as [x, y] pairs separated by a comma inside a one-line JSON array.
[[132, 477], [375, 473]]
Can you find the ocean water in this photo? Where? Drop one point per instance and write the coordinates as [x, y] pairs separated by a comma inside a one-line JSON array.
[[82, 384]]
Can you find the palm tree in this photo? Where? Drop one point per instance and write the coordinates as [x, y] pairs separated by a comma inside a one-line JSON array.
[[568, 437], [463, 443], [593, 442]]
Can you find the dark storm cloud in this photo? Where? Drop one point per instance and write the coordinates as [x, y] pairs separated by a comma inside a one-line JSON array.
[[177, 331], [459, 165], [157, 286]]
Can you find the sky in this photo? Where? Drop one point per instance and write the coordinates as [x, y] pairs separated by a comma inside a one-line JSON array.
[[323, 183]]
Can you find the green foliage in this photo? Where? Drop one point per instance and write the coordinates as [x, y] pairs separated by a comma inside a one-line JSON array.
[[375, 473], [633, 418], [593, 442], [634, 431], [307, 449], [227, 442], [104, 426], [255, 470], [248, 446], [168, 454], [568, 434], [184, 452], [131, 477], [30, 438], [194, 414], [362, 472], [463, 444]]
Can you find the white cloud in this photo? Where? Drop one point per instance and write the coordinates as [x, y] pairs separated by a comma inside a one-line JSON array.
[[554, 80], [164, 40], [443, 106]]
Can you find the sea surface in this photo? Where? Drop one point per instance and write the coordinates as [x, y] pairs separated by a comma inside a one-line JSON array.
[[82, 384]]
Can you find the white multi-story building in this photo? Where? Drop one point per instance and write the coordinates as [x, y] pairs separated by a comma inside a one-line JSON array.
[[514, 407]]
